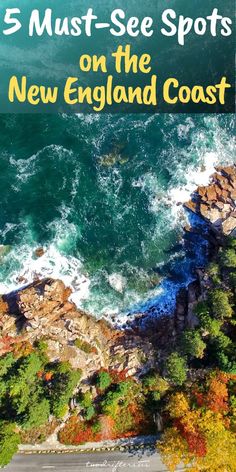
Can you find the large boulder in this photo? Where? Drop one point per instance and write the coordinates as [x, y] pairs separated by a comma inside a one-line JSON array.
[[215, 203]]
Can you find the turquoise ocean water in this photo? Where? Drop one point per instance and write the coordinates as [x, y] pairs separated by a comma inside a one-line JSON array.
[[101, 195]]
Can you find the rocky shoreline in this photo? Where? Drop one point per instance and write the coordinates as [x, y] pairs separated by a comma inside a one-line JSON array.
[[215, 205], [43, 310]]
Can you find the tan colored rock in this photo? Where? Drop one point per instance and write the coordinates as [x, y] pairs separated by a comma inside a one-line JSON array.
[[54, 349], [191, 206], [44, 311], [216, 202], [229, 225], [222, 181], [204, 210], [211, 214], [8, 325], [228, 172], [219, 205], [39, 252], [223, 196], [210, 193], [201, 191]]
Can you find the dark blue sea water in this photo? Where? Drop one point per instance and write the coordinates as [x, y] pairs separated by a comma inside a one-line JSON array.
[[101, 195]]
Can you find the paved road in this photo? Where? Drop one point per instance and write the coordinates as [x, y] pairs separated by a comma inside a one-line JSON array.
[[97, 462]]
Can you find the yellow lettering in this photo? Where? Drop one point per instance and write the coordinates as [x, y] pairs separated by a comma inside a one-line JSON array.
[[49, 95], [166, 90], [222, 86], [68, 91], [16, 90]]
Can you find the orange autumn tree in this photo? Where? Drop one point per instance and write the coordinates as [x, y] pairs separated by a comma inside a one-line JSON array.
[[201, 434]]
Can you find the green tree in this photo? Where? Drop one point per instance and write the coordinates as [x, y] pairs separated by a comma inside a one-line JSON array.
[[22, 385], [120, 397], [6, 363], [226, 364], [103, 380], [193, 345], [155, 383], [222, 342], [228, 258], [220, 304], [90, 413], [65, 380], [37, 414], [210, 326], [232, 279], [213, 271], [85, 399], [176, 368]]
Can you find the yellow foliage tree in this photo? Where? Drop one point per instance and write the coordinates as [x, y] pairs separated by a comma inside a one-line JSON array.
[[200, 436]]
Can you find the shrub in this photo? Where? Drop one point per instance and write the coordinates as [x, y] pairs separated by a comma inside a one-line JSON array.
[[96, 427], [41, 345], [86, 347], [176, 368], [90, 413], [124, 422], [76, 432], [202, 310], [22, 349], [39, 434], [156, 384], [193, 345], [103, 380], [121, 396], [85, 399], [60, 408], [213, 271], [63, 368]]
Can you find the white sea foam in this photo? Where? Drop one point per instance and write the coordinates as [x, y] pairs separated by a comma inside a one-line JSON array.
[[195, 178], [184, 128], [28, 167], [117, 282], [52, 264]]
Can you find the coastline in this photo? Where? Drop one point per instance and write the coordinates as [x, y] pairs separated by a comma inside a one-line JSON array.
[[47, 262], [43, 312], [211, 209], [216, 214]]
